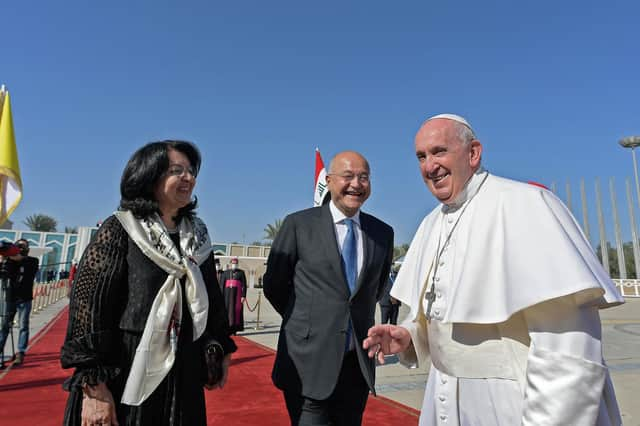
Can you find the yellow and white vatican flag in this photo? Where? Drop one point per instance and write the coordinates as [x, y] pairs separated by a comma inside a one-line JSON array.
[[10, 181], [320, 192]]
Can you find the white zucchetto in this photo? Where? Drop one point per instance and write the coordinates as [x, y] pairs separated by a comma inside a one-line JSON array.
[[453, 117]]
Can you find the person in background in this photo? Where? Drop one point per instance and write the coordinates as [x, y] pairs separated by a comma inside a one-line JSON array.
[[235, 292], [147, 330], [72, 272], [504, 292], [389, 305], [22, 270], [219, 275]]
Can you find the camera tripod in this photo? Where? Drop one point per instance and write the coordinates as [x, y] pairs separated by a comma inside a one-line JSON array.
[[7, 313]]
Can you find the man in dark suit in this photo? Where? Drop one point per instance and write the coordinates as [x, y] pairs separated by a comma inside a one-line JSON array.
[[327, 268], [389, 305]]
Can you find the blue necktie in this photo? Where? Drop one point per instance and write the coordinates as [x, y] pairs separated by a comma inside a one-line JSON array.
[[349, 255], [349, 258]]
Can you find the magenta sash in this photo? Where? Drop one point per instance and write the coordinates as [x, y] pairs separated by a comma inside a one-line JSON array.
[[233, 283], [237, 284]]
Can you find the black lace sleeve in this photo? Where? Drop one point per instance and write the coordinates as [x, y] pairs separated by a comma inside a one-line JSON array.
[[94, 309]]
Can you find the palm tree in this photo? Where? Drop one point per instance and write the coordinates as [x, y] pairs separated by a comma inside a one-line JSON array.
[[399, 251], [70, 230], [272, 230], [41, 222]]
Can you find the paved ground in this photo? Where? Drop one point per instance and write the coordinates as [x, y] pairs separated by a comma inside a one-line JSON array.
[[621, 336]]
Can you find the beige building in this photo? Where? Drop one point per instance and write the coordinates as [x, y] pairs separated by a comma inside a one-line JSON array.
[[251, 259]]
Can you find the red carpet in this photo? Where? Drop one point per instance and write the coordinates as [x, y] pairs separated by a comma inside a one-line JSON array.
[[249, 398], [31, 394]]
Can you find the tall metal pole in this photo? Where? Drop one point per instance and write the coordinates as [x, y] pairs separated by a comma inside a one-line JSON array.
[[568, 187], [632, 142], [634, 232], [604, 249], [585, 215], [635, 172], [622, 267]]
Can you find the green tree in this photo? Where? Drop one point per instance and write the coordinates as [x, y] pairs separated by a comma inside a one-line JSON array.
[[272, 230], [629, 263], [70, 230], [399, 251], [41, 222]]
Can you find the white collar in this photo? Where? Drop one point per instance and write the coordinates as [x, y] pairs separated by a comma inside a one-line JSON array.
[[469, 189], [338, 216]]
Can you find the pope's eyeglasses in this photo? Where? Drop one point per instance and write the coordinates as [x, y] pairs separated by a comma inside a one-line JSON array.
[[179, 170]]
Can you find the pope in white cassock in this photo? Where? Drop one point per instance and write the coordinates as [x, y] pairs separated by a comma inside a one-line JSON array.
[[504, 291]]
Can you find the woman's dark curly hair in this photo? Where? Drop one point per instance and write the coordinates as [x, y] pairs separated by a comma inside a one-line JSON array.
[[143, 172]]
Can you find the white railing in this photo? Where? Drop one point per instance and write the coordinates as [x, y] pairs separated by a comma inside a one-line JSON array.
[[628, 288]]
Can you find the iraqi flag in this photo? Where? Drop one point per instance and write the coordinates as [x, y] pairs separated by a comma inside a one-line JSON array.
[[320, 191]]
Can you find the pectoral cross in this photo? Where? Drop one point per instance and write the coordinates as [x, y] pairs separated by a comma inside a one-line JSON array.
[[430, 296]]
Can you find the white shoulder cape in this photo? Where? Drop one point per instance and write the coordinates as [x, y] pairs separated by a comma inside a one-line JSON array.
[[516, 245]]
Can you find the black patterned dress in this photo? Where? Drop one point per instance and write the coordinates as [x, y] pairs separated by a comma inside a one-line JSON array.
[[114, 289]]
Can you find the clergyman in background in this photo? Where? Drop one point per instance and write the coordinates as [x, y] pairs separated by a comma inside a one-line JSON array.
[[235, 292]]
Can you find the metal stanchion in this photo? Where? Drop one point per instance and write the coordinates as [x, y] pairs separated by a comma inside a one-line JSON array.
[[47, 299], [38, 297], [258, 327]]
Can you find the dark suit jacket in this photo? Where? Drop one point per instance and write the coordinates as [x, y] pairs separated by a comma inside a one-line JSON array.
[[22, 275], [385, 300], [305, 282]]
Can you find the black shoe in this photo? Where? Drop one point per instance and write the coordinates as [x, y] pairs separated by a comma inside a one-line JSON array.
[[19, 358]]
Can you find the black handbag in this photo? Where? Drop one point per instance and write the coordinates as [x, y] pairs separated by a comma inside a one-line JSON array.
[[213, 357]]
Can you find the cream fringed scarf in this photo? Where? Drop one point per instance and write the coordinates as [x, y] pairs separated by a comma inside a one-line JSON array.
[[155, 353]]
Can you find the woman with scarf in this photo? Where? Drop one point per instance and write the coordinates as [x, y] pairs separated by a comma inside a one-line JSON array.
[[147, 323]]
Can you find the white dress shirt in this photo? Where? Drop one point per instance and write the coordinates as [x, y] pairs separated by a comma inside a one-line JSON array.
[[341, 229], [341, 232]]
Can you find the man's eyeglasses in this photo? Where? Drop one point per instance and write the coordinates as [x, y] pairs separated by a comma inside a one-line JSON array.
[[348, 177], [180, 170]]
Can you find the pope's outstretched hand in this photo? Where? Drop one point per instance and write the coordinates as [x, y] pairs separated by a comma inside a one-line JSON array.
[[386, 339]]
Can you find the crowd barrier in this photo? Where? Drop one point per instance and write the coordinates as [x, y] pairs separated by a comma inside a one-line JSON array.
[[255, 306], [45, 294], [628, 287]]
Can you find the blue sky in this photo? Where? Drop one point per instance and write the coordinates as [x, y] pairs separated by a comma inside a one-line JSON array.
[[550, 87]]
